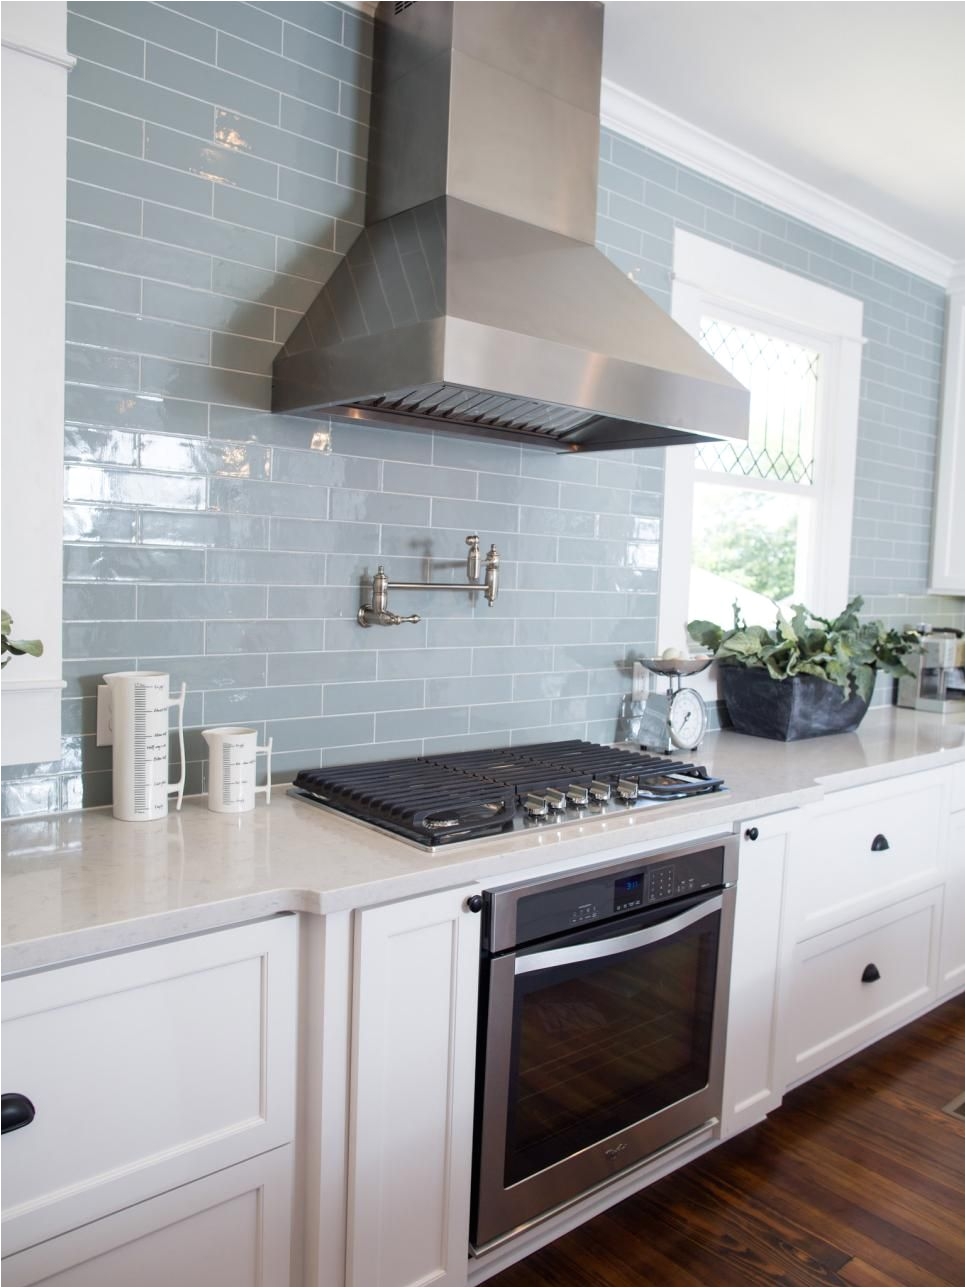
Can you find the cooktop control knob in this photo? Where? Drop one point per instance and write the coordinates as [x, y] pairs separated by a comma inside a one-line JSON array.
[[536, 806], [556, 800], [600, 791], [627, 790], [577, 796]]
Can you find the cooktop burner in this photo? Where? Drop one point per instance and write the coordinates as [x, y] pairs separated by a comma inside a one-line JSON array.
[[436, 800]]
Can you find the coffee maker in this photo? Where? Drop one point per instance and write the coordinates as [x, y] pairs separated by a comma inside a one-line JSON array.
[[936, 683]]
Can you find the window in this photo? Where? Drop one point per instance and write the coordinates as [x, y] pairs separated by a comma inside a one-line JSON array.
[[767, 521]]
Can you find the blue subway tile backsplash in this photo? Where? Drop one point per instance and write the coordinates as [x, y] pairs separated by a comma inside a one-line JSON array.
[[217, 157]]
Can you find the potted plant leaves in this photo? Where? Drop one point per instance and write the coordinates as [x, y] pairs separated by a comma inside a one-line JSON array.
[[15, 648], [806, 677]]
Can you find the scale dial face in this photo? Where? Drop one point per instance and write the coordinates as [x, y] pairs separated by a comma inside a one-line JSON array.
[[687, 719]]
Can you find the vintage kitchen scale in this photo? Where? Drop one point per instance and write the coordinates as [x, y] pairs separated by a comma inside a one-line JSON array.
[[677, 718]]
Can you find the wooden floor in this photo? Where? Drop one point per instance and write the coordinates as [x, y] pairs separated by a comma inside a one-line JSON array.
[[857, 1179]]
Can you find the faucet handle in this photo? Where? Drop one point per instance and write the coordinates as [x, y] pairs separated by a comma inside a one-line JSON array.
[[492, 578], [473, 558]]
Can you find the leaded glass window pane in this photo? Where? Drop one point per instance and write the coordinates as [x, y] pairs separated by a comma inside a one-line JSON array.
[[783, 380]]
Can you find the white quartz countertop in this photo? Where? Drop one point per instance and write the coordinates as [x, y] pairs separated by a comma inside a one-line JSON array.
[[83, 883]]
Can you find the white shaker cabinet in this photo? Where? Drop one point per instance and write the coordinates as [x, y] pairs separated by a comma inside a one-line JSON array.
[[863, 911], [411, 1108], [147, 1070], [752, 1078], [35, 70], [952, 970], [229, 1228]]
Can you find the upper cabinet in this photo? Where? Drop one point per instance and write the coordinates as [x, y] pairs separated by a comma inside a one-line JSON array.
[[35, 68], [947, 574]]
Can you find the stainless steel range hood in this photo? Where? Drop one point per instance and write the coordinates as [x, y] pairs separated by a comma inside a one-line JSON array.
[[475, 300]]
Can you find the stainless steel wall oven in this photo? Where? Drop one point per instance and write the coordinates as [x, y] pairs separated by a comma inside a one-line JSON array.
[[603, 1011]]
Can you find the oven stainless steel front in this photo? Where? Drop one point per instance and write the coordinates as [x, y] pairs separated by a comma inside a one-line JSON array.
[[603, 1013]]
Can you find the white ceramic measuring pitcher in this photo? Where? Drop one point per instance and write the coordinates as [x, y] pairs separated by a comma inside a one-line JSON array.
[[232, 751], [139, 720]]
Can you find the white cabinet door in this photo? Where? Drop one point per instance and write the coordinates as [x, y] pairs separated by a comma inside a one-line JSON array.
[[752, 1080], [852, 985], [147, 1069], [953, 950], [35, 67], [411, 1117], [231, 1228]]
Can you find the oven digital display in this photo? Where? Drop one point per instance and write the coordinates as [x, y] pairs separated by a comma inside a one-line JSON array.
[[628, 892]]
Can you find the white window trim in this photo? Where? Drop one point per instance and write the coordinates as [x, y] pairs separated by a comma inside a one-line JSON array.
[[711, 279]]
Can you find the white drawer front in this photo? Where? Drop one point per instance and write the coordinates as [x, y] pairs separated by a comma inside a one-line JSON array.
[[830, 1011], [146, 1069], [836, 874], [229, 1228]]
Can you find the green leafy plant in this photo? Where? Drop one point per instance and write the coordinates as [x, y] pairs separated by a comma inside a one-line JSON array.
[[844, 650], [15, 648]]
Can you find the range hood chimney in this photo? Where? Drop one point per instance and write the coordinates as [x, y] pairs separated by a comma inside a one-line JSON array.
[[475, 300]]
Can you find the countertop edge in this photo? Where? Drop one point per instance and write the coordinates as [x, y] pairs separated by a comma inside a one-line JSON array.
[[484, 862]]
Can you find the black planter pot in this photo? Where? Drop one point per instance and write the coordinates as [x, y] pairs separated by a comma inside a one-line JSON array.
[[804, 706]]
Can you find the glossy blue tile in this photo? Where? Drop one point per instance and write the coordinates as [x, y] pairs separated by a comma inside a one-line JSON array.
[[209, 160], [139, 256], [121, 331], [103, 209], [386, 695], [248, 21], [133, 487], [138, 98], [106, 128], [137, 178], [102, 288], [122, 563], [281, 73], [187, 76], [226, 531], [179, 603], [233, 706]]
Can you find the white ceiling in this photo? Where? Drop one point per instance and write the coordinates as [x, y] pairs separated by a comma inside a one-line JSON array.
[[862, 99]]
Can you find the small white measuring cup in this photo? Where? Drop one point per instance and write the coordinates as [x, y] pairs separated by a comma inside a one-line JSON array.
[[232, 751]]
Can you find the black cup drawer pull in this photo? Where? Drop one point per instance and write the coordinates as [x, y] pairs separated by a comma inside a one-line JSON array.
[[870, 974], [879, 842], [17, 1111]]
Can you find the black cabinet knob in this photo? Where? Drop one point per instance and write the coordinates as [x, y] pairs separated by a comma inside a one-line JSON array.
[[751, 833], [474, 903], [16, 1111], [870, 974], [879, 842]]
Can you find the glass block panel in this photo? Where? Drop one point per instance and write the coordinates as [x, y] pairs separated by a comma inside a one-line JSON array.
[[783, 380]]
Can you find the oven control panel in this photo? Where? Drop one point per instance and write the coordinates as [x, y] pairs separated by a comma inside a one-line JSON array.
[[573, 904]]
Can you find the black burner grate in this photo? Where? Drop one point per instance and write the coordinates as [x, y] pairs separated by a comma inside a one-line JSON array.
[[438, 799]]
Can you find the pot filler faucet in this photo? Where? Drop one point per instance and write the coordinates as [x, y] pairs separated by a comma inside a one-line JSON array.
[[376, 613]]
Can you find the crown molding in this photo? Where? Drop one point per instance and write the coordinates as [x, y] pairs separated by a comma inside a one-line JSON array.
[[646, 123]]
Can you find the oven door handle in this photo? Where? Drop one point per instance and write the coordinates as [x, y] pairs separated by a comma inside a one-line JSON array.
[[611, 947]]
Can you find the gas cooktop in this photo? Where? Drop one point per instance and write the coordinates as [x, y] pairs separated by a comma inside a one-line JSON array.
[[438, 800]]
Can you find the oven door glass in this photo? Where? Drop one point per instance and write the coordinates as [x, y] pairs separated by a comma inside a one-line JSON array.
[[609, 1027]]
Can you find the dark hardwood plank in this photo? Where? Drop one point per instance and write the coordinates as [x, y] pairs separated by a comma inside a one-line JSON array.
[[857, 1179], [863, 1275]]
